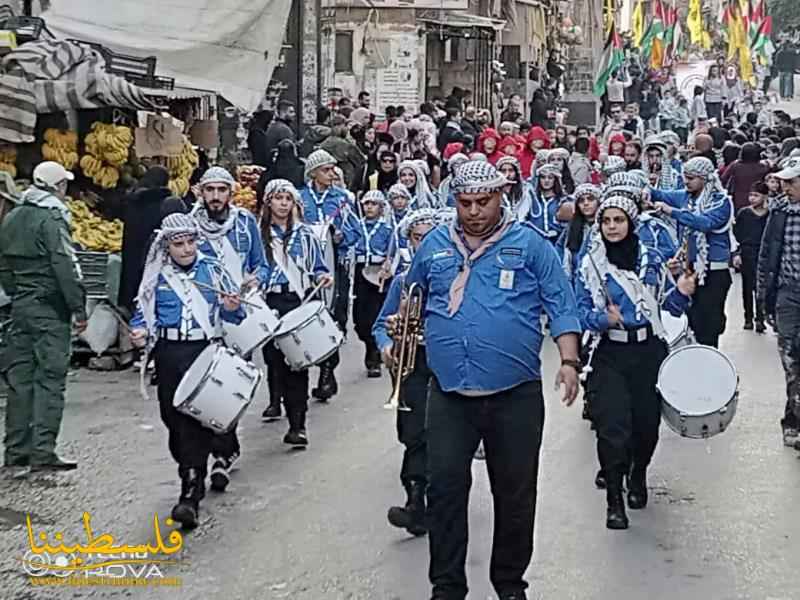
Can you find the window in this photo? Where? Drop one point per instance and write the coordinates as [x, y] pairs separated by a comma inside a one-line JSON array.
[[510, 57], [344, 52]]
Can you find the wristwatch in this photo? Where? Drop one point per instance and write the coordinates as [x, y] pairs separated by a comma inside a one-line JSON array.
[[571, 362]]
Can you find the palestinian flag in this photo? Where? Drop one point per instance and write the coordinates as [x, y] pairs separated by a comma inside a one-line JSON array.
[[612, 59], [761, 42], [658, 47]]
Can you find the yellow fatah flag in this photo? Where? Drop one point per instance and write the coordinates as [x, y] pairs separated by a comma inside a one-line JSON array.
[[738, 45], [637, 24], [694, 22]]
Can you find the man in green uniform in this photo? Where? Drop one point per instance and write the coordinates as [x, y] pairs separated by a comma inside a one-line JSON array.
[[38, 272]]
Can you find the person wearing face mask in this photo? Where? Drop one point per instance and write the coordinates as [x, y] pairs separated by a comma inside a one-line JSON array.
[[413, 391], [370, 237], [294, 264], [704, 213], [487, 277], [38, 272], [229, 234], [621, 289], [545, 201], [323, 202], [175, 321]]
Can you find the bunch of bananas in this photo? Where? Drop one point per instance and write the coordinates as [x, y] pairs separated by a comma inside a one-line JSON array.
[[107, 149], [93, 232], [8, 160], [61, 146], [244, 197], [181, 168]]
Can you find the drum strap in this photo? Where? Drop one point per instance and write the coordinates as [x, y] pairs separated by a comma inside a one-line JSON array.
[[191, 298], [636, 290], [288, 267]]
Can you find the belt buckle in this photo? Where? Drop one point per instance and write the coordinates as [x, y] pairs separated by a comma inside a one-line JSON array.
[[641, 334]]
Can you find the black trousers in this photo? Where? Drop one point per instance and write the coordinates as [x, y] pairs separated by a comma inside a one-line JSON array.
[[189, 442], [626, 408], [342, 302], [787, 312], [749, 267], [286, 385], [510, 424], [366, 308], [707, 314], [411, 425]]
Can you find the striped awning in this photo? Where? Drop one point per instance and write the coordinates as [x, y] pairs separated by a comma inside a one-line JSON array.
[[46, 76]]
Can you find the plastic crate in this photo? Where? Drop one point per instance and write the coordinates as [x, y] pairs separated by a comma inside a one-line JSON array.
[[101, 273]]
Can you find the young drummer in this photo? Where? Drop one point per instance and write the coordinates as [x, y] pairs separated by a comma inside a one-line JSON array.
[[176, 320], [621, 289], [294, 264], [370, 238], [413, 392]]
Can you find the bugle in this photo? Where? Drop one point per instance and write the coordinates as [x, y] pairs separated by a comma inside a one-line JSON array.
[[408, 330]]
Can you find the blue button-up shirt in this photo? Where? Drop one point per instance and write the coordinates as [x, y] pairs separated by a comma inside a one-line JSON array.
[[542, 215], [304, 248], [713, 221], [651, 272], [333, 203], [245, 238], [370, 238], [173, 314], [493, 342], [655, 234]]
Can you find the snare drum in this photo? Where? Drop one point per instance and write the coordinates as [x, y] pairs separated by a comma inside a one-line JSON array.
[[258, 327], [217, 388], [308, 335], [699, 390], [678, 333]]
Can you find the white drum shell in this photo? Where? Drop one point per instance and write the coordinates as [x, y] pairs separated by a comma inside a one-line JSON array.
[[257, 328], [678, 332], [699, 389], [308, 335], [217, 388]]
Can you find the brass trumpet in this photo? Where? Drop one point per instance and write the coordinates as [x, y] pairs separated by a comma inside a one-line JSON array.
[[404, 351]]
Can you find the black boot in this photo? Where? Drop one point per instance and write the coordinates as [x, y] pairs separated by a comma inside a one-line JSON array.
[[585, 414], [326, 386], [272, 412], [637, 488], [411, 517], [760, 327], [221, 472], [192, 491], [615, 513], [296, 436], [748, 324]]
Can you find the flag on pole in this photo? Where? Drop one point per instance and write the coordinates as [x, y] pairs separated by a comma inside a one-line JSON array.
[[637, 24], [611, 60], [761, 43], [738, 46], [658, 47], [694, 22]]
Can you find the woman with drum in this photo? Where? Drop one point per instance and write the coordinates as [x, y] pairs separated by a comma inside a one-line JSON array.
[[182, 297], [294, 264], [370, 239], [621, 289]]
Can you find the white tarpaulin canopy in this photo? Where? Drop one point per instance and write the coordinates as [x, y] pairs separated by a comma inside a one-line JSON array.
[[231, 47]]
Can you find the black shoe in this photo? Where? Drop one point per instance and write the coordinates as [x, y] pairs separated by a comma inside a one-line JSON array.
[[326, 386], [187, 509], [411, 517], [585, 414], [600, 480], [637, 492], [760, 327], [513, 596], [615, 513], [271, 413], [748, 325], [297, 438], [221, 473], [374, 372], [55, 465], [20, 462]]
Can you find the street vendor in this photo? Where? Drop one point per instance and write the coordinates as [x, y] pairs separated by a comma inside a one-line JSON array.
[[38, 271], [231, 235]]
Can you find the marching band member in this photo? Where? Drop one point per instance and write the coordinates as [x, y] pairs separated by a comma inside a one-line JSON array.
[[620, 292], [413, 178], [177, 320], [325, 203], [660, 173], [613, 164], [514, 195], [370, 239], [545, 200], [575, 237], [413, 391], [230, 235], [446, 196], [488, 279], [704, 212], [294, 264]]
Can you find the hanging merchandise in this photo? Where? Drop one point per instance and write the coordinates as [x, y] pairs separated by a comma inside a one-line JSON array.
[[107, 149], [91, 231], [244, 193], [181, 168], [8, 159], [61, 146]]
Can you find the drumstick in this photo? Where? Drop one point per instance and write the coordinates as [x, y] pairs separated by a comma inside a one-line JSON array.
[[313, 293], [211, 288]]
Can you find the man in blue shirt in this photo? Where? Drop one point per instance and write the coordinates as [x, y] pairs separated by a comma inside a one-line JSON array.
[[488, 278], [704, 213]]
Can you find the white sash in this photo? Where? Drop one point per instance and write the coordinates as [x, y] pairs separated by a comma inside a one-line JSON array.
[[228, 255], [288, 268], [191, 298], [634, 289]]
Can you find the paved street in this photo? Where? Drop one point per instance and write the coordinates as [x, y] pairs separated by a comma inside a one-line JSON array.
[[312, 525]]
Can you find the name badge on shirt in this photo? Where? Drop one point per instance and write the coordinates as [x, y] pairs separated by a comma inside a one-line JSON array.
[[506, 280]]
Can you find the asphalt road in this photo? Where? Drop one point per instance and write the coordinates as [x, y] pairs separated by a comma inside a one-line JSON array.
[[311, 525]]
